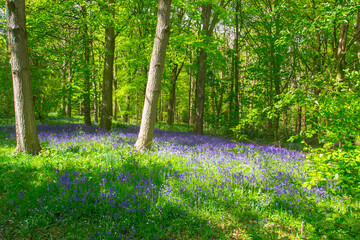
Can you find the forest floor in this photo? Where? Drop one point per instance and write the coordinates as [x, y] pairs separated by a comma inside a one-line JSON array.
[[91, 184]]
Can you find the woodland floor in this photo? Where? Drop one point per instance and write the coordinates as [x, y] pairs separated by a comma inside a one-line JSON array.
[[91, 184]]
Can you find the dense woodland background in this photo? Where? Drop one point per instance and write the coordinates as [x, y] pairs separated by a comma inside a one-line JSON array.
[[275, 70]]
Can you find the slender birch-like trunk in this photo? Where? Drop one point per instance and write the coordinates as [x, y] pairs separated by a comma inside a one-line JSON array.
[[155, 75]]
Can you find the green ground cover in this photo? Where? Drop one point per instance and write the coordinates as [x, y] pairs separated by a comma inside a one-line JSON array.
[[90, 184]]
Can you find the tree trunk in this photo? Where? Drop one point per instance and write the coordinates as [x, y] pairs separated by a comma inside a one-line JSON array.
[[115, 112], [155, 74], [236, 63], [172, 97], [87, 48], [200, 81], [208, 26], [94, 85], [340, 56], [200, 93], [25, 124], [191, 95], [96, 104], [357, 34], [106, 107], [115, 101], [299, 121]]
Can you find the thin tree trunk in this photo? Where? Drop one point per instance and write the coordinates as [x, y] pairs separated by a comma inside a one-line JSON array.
[[357, 34], [155, 74], [236, 63], [172, 96], [69, 93], [94, 85], [96, 104], [299, 120], [341, 51], [115, 112], [191, 95], [172, 99], [87, 48], [25, 124], [106, 107]]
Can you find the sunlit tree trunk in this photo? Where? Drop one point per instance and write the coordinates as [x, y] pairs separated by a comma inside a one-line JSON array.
[[155, 75], [106, 107], [25, 124]]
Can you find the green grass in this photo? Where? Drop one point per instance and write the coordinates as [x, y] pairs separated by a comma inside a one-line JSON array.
[[239, 213]]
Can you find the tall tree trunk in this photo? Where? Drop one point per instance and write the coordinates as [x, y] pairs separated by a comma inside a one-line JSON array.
[[115, 112], [126, 115], [275, 64], [155, 74], [94, 85], [191, 94], [357, 34], [236, 63], [69, 93], [172, 97], [106, 107], [25, 124], [357, 44], [96, 103], [341, 51], [87, 48], [200, 93], [208, 26], [299, 121]]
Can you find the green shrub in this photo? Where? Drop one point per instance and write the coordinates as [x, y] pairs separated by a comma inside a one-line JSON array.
[[338, 165]]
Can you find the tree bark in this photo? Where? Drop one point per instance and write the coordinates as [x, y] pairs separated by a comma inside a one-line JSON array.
[[191, 94], [25, 124], [115, 112], [69, 93], [201, 77], [115, 101], [155, 75], [236, 63], [341, 51], [94, 85], [208, 26], [87, 47], [106, 107], [172, 96], [357, 34]]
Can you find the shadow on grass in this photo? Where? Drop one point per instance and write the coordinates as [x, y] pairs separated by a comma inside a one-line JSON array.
[[127, 197], [126, 200]]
